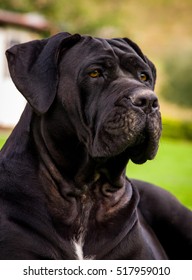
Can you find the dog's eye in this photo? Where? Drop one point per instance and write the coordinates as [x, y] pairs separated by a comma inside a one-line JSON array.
[[95, 73], [144, 77]]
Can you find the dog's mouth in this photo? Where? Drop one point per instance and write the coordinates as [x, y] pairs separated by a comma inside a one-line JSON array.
[[138, 141], [145, 149]]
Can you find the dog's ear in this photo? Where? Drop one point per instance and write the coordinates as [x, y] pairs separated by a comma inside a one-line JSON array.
[[140, 53], [33, 68]]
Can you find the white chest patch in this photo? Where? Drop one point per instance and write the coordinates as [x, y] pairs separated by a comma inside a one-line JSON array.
[[78, 249]]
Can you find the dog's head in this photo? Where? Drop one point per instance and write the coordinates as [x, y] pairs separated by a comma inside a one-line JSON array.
[[104, 85]]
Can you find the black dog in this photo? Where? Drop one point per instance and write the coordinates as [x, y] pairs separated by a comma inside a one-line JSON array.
[[63, 189]]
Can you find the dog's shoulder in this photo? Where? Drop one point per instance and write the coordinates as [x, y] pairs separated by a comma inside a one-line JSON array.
[[158, 202], [169, 219]]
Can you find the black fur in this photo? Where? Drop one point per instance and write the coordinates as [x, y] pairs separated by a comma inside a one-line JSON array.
[[91, 108]]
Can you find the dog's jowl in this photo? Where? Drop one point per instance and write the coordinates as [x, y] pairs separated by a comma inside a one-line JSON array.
[[91, 107]]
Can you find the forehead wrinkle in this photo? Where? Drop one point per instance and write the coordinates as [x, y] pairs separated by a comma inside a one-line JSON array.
[[93, 50], [129, 58], [124, 51], [106, 46], [121, 45]]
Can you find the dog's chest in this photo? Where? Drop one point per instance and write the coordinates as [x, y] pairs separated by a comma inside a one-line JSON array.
[[86, 219], [82, 221], [95, 212], [78, 250]]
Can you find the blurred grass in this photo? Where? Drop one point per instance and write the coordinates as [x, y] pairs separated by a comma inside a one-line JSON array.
[[2, 140], [171, 169]]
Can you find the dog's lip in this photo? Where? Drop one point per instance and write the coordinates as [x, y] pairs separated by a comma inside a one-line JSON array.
[[145, 150], [137, 140]]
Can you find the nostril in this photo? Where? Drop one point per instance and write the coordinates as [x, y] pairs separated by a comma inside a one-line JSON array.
[[147, 102], [155, 104], [141, 102]]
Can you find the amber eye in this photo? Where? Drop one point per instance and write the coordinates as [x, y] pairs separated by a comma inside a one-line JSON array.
[[144, 77], [95, 73]]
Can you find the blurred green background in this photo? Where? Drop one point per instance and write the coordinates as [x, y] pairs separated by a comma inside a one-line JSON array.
[[163, 30]]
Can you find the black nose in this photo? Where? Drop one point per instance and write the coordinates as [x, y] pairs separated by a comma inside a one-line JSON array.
[[147, 101]]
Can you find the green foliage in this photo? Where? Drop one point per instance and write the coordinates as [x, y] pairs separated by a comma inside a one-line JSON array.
[[177, 129], [127, 16], [178, 82], [73, 16]]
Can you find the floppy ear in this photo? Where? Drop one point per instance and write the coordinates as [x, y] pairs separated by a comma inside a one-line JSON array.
[[140, 53], [33, 68]]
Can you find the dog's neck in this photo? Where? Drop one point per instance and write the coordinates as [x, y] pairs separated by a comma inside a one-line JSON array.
[[61, 152], [82, 181], [67, 157]]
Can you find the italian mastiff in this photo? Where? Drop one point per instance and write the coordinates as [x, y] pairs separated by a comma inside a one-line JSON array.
[[64, 193]]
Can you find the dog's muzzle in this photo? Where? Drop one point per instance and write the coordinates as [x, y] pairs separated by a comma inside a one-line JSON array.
[[132, 126]]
